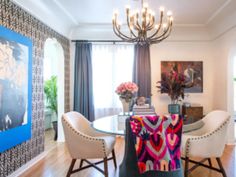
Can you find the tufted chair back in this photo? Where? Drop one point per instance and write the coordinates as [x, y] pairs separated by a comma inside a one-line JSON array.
[[79, 136], [213, 134]]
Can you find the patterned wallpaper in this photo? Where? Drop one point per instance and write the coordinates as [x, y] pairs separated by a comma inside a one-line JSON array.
[[15, 18]]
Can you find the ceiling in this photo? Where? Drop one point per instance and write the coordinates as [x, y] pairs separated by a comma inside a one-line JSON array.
[[100, 11], [68, 14]]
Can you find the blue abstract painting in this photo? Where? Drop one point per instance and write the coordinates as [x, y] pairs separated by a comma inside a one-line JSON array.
[[15, 88]]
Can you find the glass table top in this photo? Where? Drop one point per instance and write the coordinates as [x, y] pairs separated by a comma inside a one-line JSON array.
[[111, 124], [116, 125]]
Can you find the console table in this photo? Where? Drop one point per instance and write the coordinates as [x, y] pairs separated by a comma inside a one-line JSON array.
[[192, 114]]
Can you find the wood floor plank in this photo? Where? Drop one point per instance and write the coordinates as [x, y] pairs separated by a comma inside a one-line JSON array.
[[57, 162]]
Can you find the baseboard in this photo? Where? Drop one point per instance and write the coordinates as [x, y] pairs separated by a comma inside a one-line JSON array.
[[231, 142], [28, 165]]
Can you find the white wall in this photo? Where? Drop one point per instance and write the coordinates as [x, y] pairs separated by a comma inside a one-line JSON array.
[[183, 51], [224, 52]]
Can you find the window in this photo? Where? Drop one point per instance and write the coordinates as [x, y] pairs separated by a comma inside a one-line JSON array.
[[112, 65]]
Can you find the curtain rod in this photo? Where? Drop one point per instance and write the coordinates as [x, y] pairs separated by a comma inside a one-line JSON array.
[[113, 41]]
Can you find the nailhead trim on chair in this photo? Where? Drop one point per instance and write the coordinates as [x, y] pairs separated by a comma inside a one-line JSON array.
[[203, 136], [86, 136]]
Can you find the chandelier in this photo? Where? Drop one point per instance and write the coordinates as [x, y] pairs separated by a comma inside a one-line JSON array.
[[142, 26]]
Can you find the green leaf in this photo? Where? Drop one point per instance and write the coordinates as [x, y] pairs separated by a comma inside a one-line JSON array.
[[50, 90]]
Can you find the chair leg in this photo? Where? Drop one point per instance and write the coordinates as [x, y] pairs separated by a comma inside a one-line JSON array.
[[105, 167], [209, 161], [71, 167], [81, 163], [114, 158], [221, 167], [186, 167]]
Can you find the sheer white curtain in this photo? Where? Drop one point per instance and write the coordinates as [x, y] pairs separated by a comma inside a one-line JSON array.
[[112, 65]]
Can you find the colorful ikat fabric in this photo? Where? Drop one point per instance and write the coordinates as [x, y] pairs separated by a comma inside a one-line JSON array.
[[157, 141]]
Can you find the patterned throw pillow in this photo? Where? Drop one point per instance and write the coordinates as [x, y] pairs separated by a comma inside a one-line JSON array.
[[157, 141]]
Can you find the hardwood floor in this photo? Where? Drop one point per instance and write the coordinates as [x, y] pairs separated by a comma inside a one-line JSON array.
[[49, 140], [57, 162]]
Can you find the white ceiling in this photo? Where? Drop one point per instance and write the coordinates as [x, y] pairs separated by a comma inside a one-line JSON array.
[[65, 15], [197, 12]]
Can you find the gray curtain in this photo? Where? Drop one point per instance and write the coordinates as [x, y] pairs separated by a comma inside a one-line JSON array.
[[142, 69], [83, 86]]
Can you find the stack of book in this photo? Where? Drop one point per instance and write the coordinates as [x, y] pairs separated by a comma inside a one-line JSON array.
[[143, 110]]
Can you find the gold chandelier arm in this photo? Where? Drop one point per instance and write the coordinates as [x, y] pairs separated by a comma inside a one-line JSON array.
[[157, 41], [126, 40], [163, 36], [121, 35], [151, 25], [126, 37], [137, 25], [167, 31], [147, 26], [116, 31], [159, 27], [150, 22], [128, 23]]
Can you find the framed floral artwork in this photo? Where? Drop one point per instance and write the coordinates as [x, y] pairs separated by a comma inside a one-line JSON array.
[[15, 88], [192, 70]]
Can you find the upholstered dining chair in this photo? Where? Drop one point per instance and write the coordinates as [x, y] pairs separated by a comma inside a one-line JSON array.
[[206, 142], [152, 147], [84, 143]]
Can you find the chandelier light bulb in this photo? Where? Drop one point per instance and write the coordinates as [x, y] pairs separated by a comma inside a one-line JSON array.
[[116, 12], [162, 9], [153, 13], [169, 13], [127, 7], [145, 5]]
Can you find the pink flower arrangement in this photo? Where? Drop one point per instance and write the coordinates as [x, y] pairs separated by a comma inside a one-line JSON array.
[[126, 90]]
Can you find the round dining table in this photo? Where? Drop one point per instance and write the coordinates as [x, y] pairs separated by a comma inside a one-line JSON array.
[[115, 125], [111, 124]]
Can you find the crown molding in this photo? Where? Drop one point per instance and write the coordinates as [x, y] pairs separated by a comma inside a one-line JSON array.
[[213, 16], [66, 12]]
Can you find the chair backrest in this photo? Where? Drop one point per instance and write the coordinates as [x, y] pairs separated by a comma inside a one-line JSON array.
[[77, 121], [213, 121], [213, 135], [76, 127], [156, 141]]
